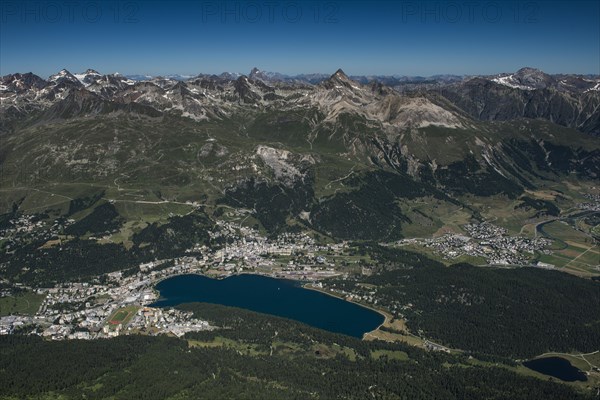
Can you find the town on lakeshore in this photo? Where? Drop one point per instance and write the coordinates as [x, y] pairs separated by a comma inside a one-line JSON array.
[[117, 303]]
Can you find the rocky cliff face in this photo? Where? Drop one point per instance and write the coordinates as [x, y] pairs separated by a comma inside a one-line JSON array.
[[571, 101]]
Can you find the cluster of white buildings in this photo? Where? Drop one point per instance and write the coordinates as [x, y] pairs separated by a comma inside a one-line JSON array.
[[247, 250], [175, 322], [487, 241], [87, 310], [592, 205], [29, 226]]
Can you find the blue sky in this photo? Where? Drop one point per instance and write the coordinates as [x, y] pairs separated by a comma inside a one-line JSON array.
[[387, 37]]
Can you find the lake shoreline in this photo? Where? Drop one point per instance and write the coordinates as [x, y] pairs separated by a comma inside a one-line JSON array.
[[557, 367], [387, 317], [277, 296]]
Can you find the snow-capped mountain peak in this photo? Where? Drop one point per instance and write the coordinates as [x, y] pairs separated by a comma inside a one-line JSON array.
[[88, 77], [526, 79], [63, 75], [510, 81]]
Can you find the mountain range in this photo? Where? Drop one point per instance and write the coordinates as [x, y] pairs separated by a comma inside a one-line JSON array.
[[345, 156], [568, 100]]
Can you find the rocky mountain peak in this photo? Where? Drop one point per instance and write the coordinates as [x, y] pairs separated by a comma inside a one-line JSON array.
[[257, 74], [264, 76], [22, 82], [533, 77], [64, 76], [339, 78], [61, 74], [339, 74]]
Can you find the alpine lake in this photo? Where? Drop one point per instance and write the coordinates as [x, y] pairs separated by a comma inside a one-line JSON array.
[[279, 297], [557, 367]]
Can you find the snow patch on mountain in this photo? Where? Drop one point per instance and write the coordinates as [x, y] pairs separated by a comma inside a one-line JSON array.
[[511, 82], [593, 89]]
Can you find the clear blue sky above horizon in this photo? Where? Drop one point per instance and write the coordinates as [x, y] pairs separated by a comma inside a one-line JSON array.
[[386, 38]]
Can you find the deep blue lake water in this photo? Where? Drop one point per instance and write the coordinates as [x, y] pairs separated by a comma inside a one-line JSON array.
[[557, 367], [279, 297]]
